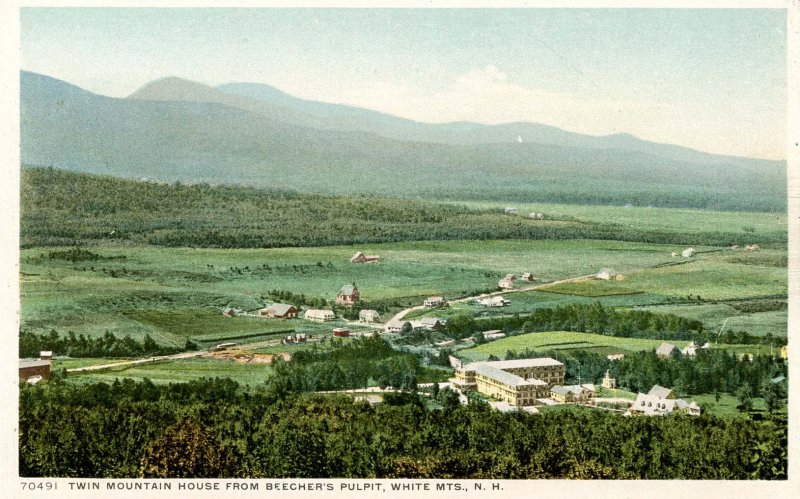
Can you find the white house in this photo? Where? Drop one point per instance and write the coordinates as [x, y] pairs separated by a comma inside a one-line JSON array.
[[434, 301], [494, 301], [505, 284], [606, 274], [688, 252], [369, 316], [319, 315], [395, 326]]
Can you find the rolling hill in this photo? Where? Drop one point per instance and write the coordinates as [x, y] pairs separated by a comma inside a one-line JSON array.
[[250, 134]]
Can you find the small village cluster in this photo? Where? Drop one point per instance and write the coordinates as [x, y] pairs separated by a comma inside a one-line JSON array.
[[523, 384]]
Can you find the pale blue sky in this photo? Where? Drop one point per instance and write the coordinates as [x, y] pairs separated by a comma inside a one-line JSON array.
[[712, 79]]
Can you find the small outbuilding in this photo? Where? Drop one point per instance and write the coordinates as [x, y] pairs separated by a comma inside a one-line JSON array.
[[688, 252], [606, 274], [360, 257]]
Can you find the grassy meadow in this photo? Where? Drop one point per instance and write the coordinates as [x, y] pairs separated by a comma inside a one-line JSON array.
[[562, 340], [175, 371], [177, 293], [570, 341]]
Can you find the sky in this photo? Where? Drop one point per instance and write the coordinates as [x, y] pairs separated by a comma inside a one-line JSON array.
[[710, 79]]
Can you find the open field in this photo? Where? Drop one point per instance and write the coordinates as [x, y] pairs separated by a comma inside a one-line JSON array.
[[726, 407], [178, 293], [172, 294], [712, 276], [561, 340], [714, 316], [567, 341], [181, 370]]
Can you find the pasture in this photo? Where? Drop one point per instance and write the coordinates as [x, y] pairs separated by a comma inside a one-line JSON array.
[[176, 371], [569, 341], [175, 293], [562, 341]]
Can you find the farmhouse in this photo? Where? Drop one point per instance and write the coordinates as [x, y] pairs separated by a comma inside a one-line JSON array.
[[369, 316], [34, 370], [313, 314], [434, 301], [341, 332], [279, 311], [606, 274], [395, 326], [360, 257], [505, 284], [494, 301], [688, 252], [348, 295], [45, 355], [511, 211], [431, 323], [536, 215], [494, 334], [527, 276], [666, 350], [615, 356], [518, 382]]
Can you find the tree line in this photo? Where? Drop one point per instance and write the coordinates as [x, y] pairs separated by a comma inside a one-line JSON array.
[[65, 208], [107, 345]]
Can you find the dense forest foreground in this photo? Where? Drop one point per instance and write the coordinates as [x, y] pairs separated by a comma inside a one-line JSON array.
[[60, 208], [211, 428]]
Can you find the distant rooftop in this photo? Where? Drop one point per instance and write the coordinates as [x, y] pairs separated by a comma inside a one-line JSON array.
[[502, 376], [517, 363], [33, 363]]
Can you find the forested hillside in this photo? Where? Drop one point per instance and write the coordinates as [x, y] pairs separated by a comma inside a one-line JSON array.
[[66, 208], [191, 133]]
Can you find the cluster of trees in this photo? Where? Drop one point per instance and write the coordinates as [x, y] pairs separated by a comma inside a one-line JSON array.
[[62, 208], [618, 194], [709, 371], [588, 318], [212, 428], [297, 299], [107, 345], [78, 254], [347, 366]]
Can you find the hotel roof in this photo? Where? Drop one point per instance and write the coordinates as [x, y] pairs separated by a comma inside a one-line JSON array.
[[516, 363]]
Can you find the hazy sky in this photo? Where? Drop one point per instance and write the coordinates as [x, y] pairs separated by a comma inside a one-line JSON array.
[[713, 80]]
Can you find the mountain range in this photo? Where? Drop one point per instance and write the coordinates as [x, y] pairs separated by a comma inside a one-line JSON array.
[[254, 134]]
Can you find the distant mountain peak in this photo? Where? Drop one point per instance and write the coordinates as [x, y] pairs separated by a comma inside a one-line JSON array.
[[173, 88]]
